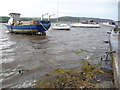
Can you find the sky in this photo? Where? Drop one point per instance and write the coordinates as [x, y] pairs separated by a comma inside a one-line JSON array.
[[107, 9]]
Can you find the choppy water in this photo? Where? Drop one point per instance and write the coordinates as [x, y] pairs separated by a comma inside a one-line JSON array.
[[37, 55]]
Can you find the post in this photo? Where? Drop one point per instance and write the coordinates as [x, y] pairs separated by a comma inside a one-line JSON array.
[[43, 16], [50, 16]]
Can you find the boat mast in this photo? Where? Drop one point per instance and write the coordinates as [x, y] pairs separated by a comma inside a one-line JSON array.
[[57, 9]]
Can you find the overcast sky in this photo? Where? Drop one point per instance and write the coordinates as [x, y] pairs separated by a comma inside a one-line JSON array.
[[80, 8]]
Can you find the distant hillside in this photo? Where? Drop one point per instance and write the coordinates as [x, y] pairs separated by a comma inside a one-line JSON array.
[[4, 19], [77, 19]]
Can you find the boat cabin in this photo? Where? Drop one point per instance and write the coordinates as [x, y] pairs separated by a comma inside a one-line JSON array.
[[14, 18]]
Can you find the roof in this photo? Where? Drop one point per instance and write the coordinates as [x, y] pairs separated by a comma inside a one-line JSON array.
[[14, 14]]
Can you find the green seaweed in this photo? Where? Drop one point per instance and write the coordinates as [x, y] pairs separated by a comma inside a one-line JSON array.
[[89, 68], [79, 52], [91, 59], [68, 78], [100, 64]]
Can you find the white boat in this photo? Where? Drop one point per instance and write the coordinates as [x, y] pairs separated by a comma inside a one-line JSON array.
[[85, 25], [109, 24], [61, 27]]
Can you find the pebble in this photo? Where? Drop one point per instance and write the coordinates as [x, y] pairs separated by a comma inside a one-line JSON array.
[[108, 32], [98, 80], [62, 84]]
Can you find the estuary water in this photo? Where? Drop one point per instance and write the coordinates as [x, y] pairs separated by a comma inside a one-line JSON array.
[[25, 58]]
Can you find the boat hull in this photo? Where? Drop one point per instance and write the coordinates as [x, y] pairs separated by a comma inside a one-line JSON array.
[[61, 27], [39, 27]]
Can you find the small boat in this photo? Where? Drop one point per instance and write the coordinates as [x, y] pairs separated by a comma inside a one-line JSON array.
[[85, 25], [32, 27], [61, 27], [112, 24]]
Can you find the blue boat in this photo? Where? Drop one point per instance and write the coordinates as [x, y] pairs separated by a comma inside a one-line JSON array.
[[15, 25], [40, 26]]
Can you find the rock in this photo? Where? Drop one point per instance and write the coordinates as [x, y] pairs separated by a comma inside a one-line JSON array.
[[106, 41], [108, 32], [62, 84]]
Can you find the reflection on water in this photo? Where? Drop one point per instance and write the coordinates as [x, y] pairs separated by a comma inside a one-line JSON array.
[[37, 55]]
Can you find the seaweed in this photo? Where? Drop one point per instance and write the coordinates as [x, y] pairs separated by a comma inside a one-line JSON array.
[[79, 52], [68, 78]]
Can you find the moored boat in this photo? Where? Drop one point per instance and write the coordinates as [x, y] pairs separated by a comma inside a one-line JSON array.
[[32, 27], [61, 27], [86, 24], [58, 25], [112, 24]]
